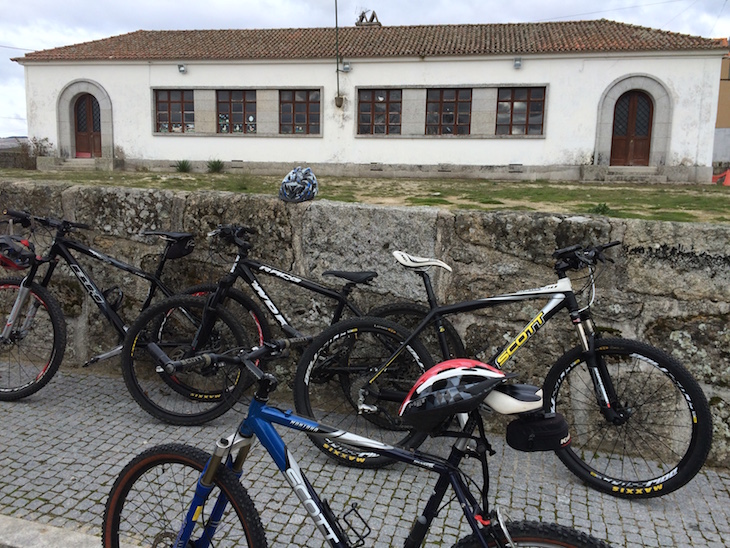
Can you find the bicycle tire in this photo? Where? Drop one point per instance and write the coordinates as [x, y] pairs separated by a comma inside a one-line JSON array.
[[410, 315], [542, 535], [150, 496], [196, 395], [334, 368], [243, 308], [33, 353], [664, 442]]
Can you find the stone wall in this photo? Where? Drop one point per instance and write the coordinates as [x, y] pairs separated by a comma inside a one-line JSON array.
[[669, 283]]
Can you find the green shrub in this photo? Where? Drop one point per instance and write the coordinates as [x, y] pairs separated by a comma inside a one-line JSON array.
[[600, 209], [215, 166], [183, 166]]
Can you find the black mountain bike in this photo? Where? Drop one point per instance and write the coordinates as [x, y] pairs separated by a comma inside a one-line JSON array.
[[640, 423], [33, 339], [203, 392]]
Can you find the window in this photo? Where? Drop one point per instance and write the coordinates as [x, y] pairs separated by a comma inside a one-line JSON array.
[[379, 111], [299, 111], [520, 111], [236, 111], [175, 111], [448, 111]]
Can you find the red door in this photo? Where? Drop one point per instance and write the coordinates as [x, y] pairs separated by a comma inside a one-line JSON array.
[[632, 121], [88, 127]]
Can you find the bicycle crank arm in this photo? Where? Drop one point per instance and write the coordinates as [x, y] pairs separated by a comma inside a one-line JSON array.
[[105, 356]]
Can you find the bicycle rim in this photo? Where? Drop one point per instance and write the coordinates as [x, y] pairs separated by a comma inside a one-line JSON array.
[[531, 534], [332, 381], [197, 394], [661, 444], [148, 502], [409, 315], [32, 354]]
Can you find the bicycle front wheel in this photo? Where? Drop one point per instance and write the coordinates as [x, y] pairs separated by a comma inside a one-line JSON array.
[[341, 381], [527, 534], [410, 315], [196, 394], [152, 494], [245, 310], [33, 350], [658, 433]]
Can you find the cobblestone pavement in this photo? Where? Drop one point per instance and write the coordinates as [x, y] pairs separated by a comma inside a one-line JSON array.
[[61, 449]]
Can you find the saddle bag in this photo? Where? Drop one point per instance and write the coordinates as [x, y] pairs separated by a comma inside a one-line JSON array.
[[538, 431], [184, 246]]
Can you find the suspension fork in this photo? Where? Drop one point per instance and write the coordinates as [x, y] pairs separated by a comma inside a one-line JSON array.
[[602, 383], [210, 312], [20, 301], [224, 448]]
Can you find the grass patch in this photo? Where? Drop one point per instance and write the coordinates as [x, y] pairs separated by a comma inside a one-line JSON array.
[[428, 201], [659, 202]]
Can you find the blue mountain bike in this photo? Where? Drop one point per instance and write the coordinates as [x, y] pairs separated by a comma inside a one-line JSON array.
[[177, 495]]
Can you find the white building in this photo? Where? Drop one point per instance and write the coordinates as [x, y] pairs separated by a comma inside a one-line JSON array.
[[566, 100]]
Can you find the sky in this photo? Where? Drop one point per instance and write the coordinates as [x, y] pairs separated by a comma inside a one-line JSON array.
[[31, 25]]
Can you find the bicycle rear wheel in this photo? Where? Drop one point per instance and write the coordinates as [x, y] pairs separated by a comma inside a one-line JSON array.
[[660, 434], [34, 350], [410, 315], [527, 534], [332, 386], [149, 499], [196, 394]]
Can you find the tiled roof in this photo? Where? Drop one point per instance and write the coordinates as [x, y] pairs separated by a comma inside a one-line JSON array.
[[376, 41]]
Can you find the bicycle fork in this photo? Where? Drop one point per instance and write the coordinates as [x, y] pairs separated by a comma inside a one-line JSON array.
[[602, 384], [20, 301], [224, 448]]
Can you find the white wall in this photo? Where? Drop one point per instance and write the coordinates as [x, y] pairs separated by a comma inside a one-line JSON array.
[[574, 88]]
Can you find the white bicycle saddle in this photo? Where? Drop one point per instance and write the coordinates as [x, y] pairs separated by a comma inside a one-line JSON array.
[[411, 261]]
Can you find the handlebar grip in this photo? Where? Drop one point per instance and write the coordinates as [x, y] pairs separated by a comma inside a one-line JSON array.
[[173, 366], [23, 216], [74, 224], [610, 244]]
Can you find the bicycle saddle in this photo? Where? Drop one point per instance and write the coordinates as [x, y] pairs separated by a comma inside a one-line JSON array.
[[166, 235], [179, 244], [411, 261], [356, 277]]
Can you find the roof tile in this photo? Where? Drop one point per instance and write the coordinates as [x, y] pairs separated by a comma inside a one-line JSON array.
[[379, 41]]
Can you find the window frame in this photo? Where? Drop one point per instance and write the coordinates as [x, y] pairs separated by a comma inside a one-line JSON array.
[[309, 111], [248, 106], [457, 100], [187, 97], [529, 101], [389, 102]]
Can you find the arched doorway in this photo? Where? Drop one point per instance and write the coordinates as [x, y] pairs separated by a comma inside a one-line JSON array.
[[87, 116], [632, 124]]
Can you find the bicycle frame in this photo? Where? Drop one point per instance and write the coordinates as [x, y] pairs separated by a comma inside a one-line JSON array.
[[245, 269], [259, 423], [62, 247], [560, 295]]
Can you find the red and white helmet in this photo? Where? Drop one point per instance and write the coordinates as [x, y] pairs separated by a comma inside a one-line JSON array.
[[450, 387], [16, 253]]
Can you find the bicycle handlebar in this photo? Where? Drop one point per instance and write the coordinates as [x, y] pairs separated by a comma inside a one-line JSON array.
[[577, 257], [234, 234], [267, 349], [26, 219]]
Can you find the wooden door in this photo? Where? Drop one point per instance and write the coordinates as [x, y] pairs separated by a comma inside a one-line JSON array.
[[632, 122], [88, 127]]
